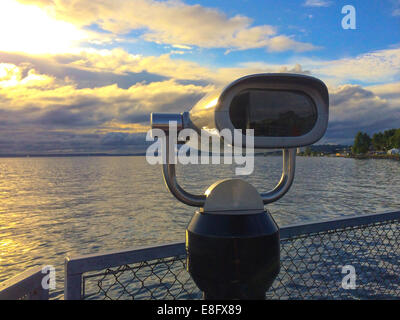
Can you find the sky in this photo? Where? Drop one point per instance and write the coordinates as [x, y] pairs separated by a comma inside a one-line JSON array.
[[81, 76]]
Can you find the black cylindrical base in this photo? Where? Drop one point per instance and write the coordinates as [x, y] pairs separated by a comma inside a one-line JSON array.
[[232, 256]]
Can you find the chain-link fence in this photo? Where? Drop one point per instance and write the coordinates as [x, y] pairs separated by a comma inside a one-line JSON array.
[[313, 260], [312, 265], [160, 279]]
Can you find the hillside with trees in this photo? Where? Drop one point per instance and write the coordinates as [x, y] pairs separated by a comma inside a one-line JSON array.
[[381, 141]]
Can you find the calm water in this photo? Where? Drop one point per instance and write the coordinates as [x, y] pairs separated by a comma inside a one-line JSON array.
[[53, 207]]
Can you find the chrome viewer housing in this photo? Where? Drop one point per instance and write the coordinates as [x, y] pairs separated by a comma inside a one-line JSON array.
[[285, 110]]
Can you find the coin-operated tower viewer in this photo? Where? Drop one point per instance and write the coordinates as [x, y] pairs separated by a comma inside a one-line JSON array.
[[232, 242]]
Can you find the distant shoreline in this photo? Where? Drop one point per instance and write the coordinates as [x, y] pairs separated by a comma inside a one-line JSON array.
[[375, 156], [58, 155], [359, 157], [141, 154]]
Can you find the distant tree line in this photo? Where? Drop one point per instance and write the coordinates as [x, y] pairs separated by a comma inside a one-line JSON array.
[[381, 141]]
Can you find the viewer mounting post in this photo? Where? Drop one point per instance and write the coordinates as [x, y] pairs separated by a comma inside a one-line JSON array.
[[232, 242]]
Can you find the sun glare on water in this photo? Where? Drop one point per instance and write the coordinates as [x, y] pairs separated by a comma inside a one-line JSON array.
[[26, 28]]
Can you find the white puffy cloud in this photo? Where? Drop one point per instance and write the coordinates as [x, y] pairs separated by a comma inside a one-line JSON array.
[[381, 66], [373, 67], [12, 76]]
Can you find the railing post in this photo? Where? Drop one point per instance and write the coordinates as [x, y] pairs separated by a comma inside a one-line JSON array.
[[26, 285], [72, 283]]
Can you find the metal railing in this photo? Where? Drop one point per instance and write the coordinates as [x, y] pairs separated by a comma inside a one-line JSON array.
[[117, 265], [312, 259], [25, 286]]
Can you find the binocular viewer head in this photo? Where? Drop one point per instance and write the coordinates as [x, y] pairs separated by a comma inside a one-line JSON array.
[[283, 110]]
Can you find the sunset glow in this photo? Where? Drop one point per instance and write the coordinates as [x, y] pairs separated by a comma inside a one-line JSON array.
[[85, 75], [30, 29]]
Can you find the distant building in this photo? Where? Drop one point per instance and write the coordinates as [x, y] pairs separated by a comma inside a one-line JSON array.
[[300, 150], [394, 151]]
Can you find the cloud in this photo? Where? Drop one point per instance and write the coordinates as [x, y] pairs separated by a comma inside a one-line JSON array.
[[47, 111], [381, 66], [180, 46], [41, 141], [118, 61], [24, 77], [374, 67], [317, 3], [178, 52], [284, 43], [122, 139], [50, 69], [47, 104], [354, 108], [193, 25], [94, 68], [387, 90], [141, 97], [347, 93], [396, 8]]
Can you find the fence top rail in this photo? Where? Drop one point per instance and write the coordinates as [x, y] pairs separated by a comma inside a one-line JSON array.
[[295, 230], [94, 262], [22, 284]]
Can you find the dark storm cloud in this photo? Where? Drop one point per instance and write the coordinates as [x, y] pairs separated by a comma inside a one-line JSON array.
[[350, 92], [17, 142], [117, 139], [136, 118], [183, 103], [354, 109], [137, 114], [62, 117]]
